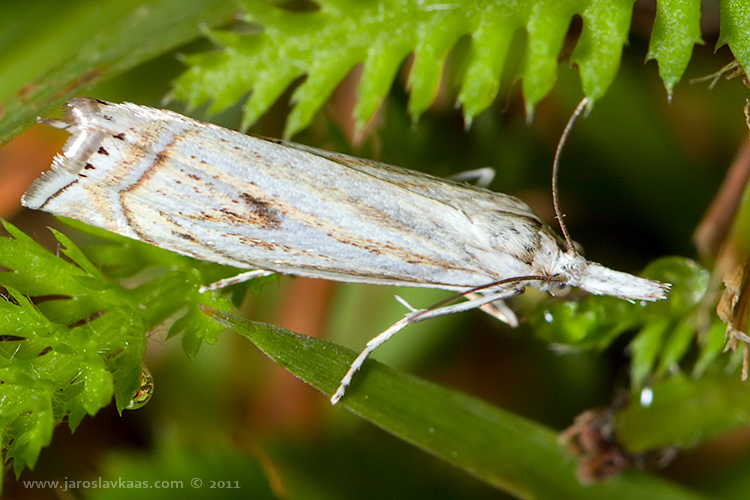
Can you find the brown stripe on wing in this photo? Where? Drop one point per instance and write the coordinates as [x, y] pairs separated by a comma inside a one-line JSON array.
[[138, 153]]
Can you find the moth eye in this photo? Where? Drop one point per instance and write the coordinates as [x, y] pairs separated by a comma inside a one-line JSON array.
[[559, 289]]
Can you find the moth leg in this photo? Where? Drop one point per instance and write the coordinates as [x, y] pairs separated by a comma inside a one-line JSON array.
[[405, 303], [482, 176], [233, 280], [414, 317], [498, 310]]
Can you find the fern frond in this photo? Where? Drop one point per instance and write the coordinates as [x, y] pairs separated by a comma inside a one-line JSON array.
[[66, 354], [676, 29], [324, 45]]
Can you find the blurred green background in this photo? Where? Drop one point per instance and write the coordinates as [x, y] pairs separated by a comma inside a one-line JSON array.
[[636, 178]]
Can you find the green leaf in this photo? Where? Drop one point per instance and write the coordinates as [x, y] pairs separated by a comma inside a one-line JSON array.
[[676, 346], [647, 347], [605, 32], [84, 344], [735, 30], [684, 411], [502, 449], [488, 52], [546, 27], [32, 427], [324, 45], [713, 347], [676, 29]]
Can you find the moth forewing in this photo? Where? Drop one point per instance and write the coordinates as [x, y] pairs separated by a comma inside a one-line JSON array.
[[273, 206], [252, 203]]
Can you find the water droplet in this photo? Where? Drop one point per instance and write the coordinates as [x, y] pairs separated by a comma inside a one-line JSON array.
[[647, 397], [146, 389], [548, 317]]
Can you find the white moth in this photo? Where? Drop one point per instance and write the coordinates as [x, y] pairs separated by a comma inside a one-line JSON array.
[[274, 206]]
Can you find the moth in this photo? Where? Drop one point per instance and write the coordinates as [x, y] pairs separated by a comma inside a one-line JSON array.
[[277, 207]]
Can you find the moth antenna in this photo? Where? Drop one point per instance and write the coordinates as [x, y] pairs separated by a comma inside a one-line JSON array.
[[569, 247]]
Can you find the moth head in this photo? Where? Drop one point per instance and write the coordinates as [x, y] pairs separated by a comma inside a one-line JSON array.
[[569, 269], [573, 270]]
